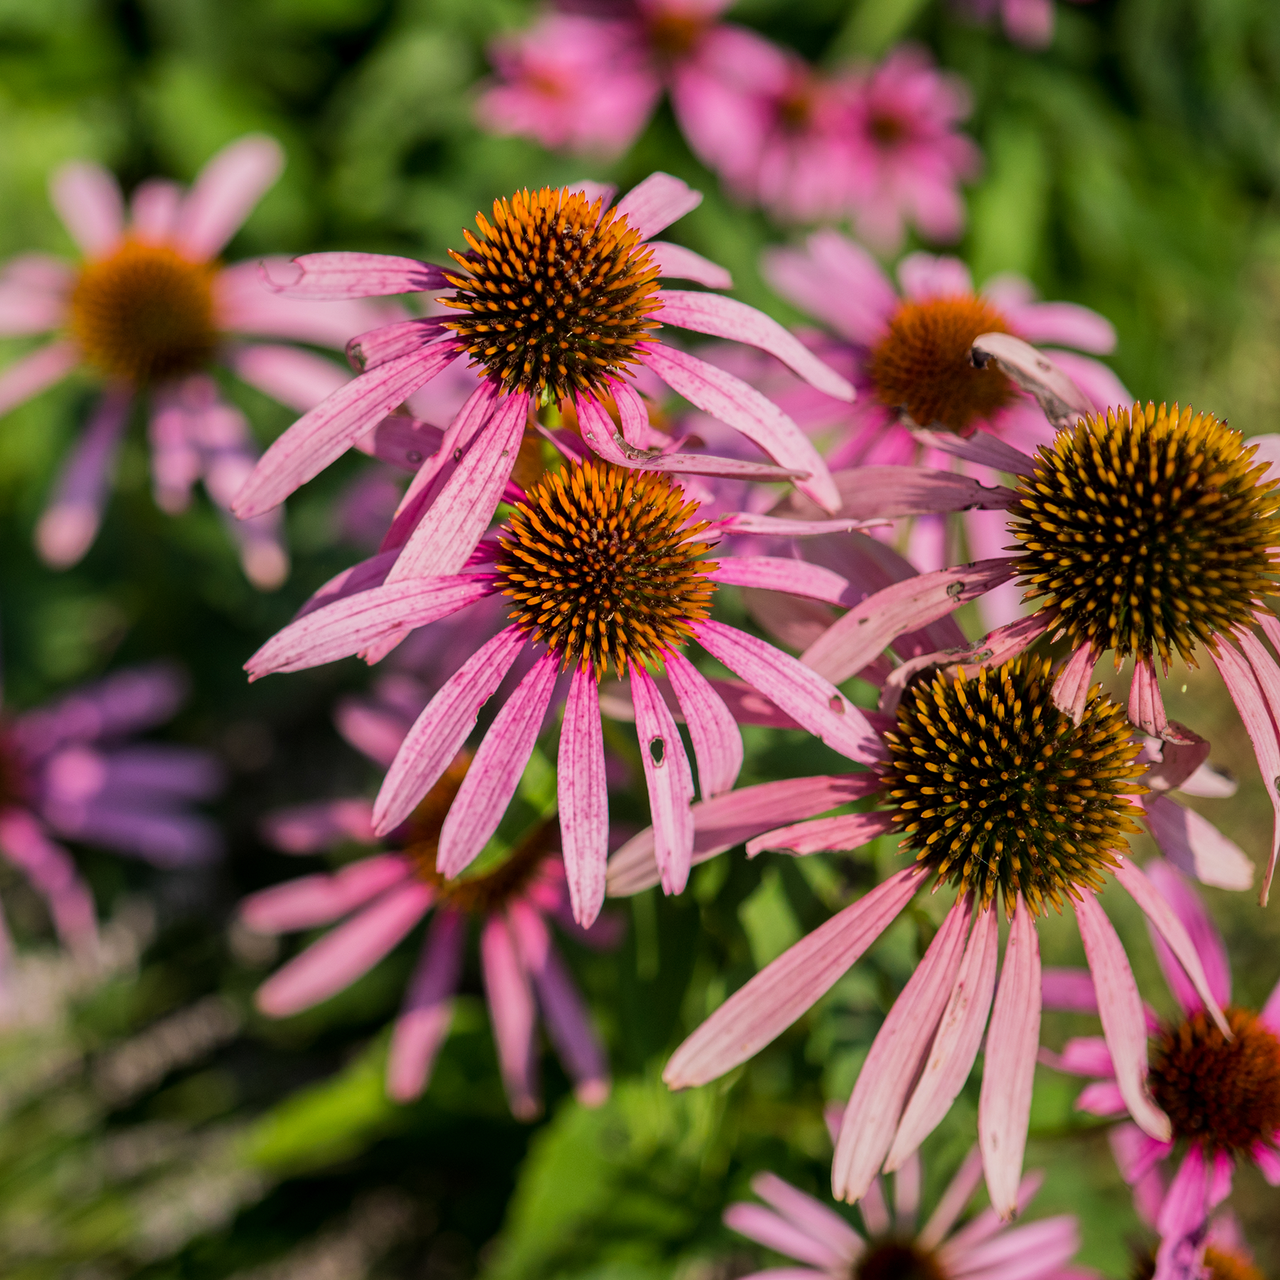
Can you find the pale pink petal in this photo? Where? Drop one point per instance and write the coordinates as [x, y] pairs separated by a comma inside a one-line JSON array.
[[1095, 379], [70, 522], [955, 1046], [1066, 323], [353, 622], [325, 433], [1136, 1157], [868, 629], [1071, 688], [153, 209], [52, 873], [442, 728], [953, 1201], [926, 275], [345, 953], [981, 447], [781, 527], [873, 1206], [1173, 933], [1061, 401], [583, 798], [780, 573], [760, 1224], [1120, 1008], [225, 192], [511, 1008], [810, 1215], [1183, 1218], [656, 203], [730, 819], [1004, 1108], [727, 318], [311, 828], [403, 338], [1211, 783], [495, 771], [676, 260], [1270, 1014], [1083, 1056], [423, 1022], [87, 199], [1268, 1161], [760, 1011], [906, 1193], [987, 1224], [717, 742], [1176, 761], [334, 276], [321, 899], [745, 409], [401, 441], [668, 779], [1146, 706], [886, 492], [1068, 989], [1194, 845], [25, 310], [802, 693], [848, 831], [299, 379], [33, 373], [1038, 1249], [563, 1009], [1203, 934], [896, 1055], [455, 522]]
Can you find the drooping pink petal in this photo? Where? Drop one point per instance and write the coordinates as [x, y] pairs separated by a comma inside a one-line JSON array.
[[848, 831], [455, 522], [403, 338], [742, 407], [1194, 845], [1203, 934], [717, 742], [781, 527], [1068, 989], [1120, 1009], [334, 276], [760, 1224], [760, 1011], [1071, 688], [656, 203], [1176, 761], [780, 573], [955, 1046], [325, 433], [345, 953], [953, 1200], [810, 1215], [225, 192], [1062, 402], [668, 778], [870, 627], [727, 318], [802, 693], [26, 309], [1172, 932], [981, 447], [495, 771], [896, 1055], [320, 899], [297, 378], [676, 260], [1183, 1217], [1066, 323], [52, 873], [442, 728], [730, 819], [423, 1022], [1146, 706], [87, 199], [69, 524], [351, 623], [1004, 1108], [563, 1009], [511, 1007], [33, 373], [311, 828], [583, 798]]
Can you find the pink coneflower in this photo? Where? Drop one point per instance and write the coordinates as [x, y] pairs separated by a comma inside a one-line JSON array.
[[602, 566], [385, 895], [1221, 1093], [1026, 22], [1147, 532], [150, 310], [985, 1248], [1008, 800], [68, 770], [556, 300]]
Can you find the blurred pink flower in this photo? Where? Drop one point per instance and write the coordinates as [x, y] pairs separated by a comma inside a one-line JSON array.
[[1222, 1095], [984, 1248], [1026, 22], [68, 769], [151, 310], [385, 895]]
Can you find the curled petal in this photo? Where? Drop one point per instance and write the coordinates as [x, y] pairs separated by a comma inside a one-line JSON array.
[[1063, 403]]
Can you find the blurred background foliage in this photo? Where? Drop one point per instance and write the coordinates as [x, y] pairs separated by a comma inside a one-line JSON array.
[[150, 1124]]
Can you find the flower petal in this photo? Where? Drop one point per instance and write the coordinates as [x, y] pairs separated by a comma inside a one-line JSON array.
[[511, 1007], [782, 573], [847, 831], [810, 1215], [1071, 688], [583, 798], [225, 192], [656, 203], [676, 260], [717, 742], [1062, 402], [41, 368], [320, 899], [981, 447], [758, 1223], [87, 199], [335, 276], [669, 781]]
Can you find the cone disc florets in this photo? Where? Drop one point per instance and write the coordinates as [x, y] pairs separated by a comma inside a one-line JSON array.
[[557, 293], [894, 1259], [604, 566], [922, 364], [1001, 793], [1219, 1092], [1148, 531], [145, 313]]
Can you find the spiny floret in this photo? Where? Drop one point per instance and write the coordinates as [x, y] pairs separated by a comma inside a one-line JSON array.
[[1001, 793], [1149, 531], [557, 293], [922, 364], [145, 313], [603, 566]]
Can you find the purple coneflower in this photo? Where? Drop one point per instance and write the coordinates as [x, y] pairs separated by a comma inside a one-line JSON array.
[[385, 895], [556, 300], [150, 310], [984, 1248], [68, 770], [1220, 1090], [602, 567]]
